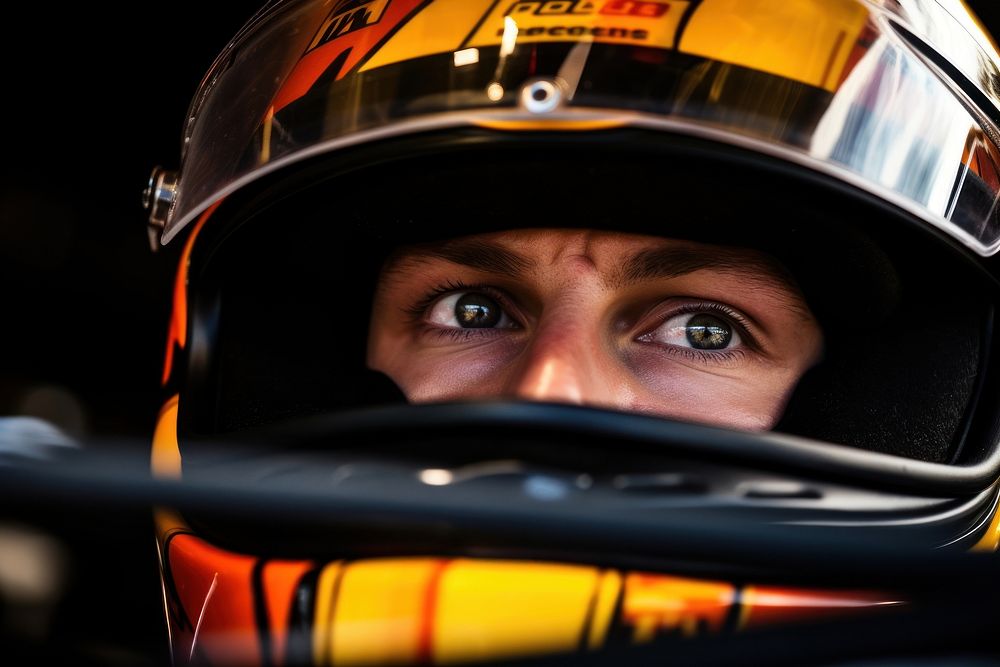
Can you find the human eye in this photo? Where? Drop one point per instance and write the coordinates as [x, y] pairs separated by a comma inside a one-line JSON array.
[[469, 309], [704, 331], [700, 331]]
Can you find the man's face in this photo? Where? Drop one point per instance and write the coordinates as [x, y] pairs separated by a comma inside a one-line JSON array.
[[696, 332]]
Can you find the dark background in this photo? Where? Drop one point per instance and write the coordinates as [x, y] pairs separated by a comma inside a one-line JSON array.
[[94, 99]]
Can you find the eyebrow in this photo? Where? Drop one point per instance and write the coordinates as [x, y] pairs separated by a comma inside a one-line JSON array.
[[766, 274], [672, 262], [480, 255]]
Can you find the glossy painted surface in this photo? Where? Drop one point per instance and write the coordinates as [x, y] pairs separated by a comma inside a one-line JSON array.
[[443, 611], [850, 89], [224, 607]]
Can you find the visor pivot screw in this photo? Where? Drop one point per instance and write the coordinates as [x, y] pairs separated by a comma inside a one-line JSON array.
[[158, 198], [541, 96]]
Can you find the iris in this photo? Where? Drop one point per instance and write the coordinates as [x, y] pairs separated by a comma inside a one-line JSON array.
[[477, 311]]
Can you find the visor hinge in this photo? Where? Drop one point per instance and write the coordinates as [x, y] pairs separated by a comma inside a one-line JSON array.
[[158, 198]]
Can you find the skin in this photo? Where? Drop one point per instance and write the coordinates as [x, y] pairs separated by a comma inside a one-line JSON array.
[[596, 318]]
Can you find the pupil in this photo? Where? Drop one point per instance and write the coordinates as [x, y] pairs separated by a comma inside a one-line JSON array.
[[477, 311], [706, 332]]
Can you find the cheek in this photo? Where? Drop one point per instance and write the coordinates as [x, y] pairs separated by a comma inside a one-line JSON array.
[[427, 374], [752, 399]]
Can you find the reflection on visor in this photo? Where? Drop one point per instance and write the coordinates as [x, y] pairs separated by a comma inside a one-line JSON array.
[[828, 86]]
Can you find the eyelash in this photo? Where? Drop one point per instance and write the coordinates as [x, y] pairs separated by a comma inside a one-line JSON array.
[[705, 356], [418, 311]]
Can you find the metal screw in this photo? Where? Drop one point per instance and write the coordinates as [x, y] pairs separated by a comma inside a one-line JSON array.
[[158, 198], [541, 95]]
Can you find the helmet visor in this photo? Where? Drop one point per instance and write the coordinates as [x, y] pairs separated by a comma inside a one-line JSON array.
[[833, 86]]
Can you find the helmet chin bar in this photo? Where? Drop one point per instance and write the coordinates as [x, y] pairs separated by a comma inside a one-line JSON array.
[[507, 461]]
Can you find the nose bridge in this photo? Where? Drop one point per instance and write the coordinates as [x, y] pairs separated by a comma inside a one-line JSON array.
[[561, 364]]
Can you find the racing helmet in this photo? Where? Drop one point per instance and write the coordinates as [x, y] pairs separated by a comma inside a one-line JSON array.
[[854, 142]]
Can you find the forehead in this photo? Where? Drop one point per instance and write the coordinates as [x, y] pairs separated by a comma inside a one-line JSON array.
[[552, 243]]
